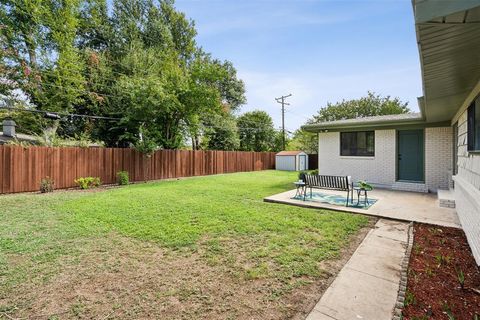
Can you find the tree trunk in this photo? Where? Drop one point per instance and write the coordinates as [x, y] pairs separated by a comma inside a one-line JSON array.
[[197, 142], [194, 146], [32, 55], [50, 132]]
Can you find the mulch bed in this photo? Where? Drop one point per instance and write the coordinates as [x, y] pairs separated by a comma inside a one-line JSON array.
[[439, 257]]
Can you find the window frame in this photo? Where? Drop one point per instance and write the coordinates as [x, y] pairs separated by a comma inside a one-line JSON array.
[[473, 122], [369, 155]]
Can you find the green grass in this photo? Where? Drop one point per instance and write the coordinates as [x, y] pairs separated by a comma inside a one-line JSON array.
[[222, 218]]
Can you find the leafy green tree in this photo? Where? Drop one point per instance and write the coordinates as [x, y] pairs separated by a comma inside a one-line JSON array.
[[278, 140], [256, 131], [136, 60], [305, 141], [215, 94], [156, 44], [151, 107], [39, 53], [220, 133], [27, 122], [370, 105]]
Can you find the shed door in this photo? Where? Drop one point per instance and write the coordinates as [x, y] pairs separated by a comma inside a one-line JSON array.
[[410, 155], [303, 162]]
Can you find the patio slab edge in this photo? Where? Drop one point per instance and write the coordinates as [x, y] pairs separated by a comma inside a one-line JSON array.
[[298, 203], [336, 208]]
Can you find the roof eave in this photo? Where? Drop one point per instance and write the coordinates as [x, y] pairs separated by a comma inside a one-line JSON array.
[[428, 10], [361, 125]]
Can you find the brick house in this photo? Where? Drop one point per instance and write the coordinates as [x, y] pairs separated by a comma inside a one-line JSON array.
[[437, 149]]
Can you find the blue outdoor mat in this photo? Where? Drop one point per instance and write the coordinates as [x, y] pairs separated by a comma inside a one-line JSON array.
[[336, 200]]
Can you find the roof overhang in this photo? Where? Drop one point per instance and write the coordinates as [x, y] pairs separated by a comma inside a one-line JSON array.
[[374, 124], [427, 10], [448, 36]]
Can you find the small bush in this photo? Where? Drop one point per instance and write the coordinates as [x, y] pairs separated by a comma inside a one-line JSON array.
[[123, 178], [301, 174], [88, 182], [47, 185]]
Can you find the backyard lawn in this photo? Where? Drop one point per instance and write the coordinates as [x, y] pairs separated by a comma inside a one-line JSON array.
[[204, 247]]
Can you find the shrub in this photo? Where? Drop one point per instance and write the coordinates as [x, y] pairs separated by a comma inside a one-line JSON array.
[[123, 178], [302, 174], [88, 182], [47, 185]]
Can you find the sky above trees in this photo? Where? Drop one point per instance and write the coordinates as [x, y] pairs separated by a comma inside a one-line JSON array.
[[320, 51]]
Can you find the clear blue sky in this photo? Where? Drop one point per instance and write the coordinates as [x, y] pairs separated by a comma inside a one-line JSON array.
[[317, 50]]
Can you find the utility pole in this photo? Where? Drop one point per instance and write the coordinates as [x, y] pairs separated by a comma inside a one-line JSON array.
[[281, 100]]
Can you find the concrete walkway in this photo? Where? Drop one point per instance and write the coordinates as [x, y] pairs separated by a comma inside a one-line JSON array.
[[367, 286], [399, 205]]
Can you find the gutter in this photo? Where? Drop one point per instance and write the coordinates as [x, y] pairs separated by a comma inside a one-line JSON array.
[[360, 124]]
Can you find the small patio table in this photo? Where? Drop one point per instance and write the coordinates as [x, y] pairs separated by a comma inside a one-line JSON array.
[[362, 191], [301, 188]]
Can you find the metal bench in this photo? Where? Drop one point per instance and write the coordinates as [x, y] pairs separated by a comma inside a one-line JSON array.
[[340, 183]]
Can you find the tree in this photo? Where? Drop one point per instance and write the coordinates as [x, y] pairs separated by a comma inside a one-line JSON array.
[[305, 141], [215, 94], [370, 105], [136, 60], [278, 141], [39, 56], [256, 131], [220, 133]]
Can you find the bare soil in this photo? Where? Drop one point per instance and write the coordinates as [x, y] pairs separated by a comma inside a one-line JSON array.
[[122, 278], [435, 290]]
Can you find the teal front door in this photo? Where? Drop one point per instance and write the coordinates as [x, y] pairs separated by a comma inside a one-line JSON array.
[[410, 155]]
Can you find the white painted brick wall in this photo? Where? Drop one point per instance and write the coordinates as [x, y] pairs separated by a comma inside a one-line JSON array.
[[467, 189], [438, 157], [378, 170], [410, 186], [381, 169]]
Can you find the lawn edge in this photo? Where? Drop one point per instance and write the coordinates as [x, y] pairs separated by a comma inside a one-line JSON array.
[[402, 288]]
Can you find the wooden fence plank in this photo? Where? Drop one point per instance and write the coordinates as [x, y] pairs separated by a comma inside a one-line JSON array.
[[22, 169]]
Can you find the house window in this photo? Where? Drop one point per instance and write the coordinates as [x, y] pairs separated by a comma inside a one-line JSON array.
[[358, 144], [473, 121]]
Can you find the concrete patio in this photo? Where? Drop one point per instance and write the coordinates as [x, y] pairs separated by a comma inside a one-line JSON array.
[[398, 205]]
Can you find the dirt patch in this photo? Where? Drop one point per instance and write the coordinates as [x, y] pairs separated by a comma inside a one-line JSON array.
[[443, 277], [122, 278]]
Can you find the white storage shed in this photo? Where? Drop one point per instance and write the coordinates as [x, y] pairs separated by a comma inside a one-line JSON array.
[[291, 161]]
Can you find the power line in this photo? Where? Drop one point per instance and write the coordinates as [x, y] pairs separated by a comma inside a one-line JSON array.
[[123, 92], [281, 100], [141, 36], [59, 115]]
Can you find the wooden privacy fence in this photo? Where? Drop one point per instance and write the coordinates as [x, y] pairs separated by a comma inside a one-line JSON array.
[[22, 169]]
